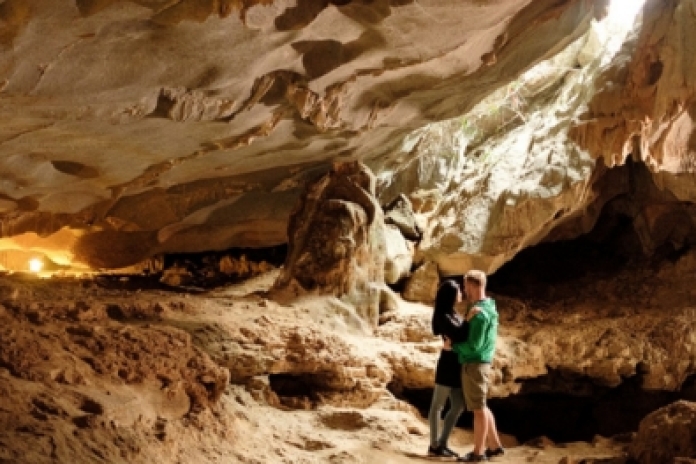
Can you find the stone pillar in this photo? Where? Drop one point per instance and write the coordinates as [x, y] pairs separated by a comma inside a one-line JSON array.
[[336, 240]]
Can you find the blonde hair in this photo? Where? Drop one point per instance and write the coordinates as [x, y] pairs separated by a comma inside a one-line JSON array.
[[477, 277]]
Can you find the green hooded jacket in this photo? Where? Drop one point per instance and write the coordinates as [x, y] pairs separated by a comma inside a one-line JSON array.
[[483, 332]]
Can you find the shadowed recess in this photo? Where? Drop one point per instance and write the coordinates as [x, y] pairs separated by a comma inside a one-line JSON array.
[[304, 13], [167, 12], [634, 230], [73, 168], [321, 56], [28, 204], [113, 249], [566, 407], [368, 11], [300, 16], [14, 16]]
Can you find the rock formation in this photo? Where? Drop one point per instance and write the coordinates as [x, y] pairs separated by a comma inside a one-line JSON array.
[[147, 127], [337, 240], [536, 161], [667, 435], [144, 130], [501, 177], [86, 383], [643, 104], [399, 255], [99, 369], [422, 286]]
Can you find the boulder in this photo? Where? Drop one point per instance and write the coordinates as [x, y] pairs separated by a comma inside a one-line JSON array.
[[666, 434], [422, 286]]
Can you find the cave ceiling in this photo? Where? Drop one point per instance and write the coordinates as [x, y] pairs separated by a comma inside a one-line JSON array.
[[131, 128]]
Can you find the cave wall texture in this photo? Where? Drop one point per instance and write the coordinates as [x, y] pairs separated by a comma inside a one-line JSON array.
[[548, 174], [132, 128]]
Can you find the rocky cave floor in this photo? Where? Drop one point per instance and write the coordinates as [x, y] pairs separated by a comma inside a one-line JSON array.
[[107, 370]]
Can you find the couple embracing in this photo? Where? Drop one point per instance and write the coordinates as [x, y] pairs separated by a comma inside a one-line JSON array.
[[463, 367]]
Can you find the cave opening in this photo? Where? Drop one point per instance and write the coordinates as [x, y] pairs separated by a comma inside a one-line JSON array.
[[567, 407]]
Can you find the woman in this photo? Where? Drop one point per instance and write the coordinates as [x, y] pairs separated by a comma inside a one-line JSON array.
[[447, 324]]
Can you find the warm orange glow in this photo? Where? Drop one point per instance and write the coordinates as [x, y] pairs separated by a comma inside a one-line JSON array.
[[36, 265]]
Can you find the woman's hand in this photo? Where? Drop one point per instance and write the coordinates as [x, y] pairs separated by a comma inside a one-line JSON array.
[[447, 345], [473, 312]]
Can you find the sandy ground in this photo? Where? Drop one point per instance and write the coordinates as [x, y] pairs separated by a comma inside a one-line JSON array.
[[104, 371]]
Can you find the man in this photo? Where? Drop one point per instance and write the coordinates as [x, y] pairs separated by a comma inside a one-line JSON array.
[[476, 355]]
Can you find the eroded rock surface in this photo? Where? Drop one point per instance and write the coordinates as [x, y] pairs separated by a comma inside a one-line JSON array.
[[144, 128], [398, 255], [337, 240], [422, 286], [535, 160], [643, 104], [88, 380], [667, 435], [126, 375], [498, 179], [153, 127]]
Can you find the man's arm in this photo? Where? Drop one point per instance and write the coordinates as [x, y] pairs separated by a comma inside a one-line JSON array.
[[476, 336]]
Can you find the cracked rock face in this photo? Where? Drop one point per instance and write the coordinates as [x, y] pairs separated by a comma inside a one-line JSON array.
[[145, 127]]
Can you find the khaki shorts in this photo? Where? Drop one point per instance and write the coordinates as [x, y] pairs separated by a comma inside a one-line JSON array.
[[475, 385]]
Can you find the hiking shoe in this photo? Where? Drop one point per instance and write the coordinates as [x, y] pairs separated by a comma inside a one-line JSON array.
[[491, 453], [472, 457], [441, 451]]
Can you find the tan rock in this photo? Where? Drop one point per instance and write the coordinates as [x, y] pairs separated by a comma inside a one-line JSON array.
[[666, 434], [213, 146], [655, 88], [541, 442], [389, 301], [423, 283], [176, 276], [398, 259], [400, 213], [308, 365], [337, 242]]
